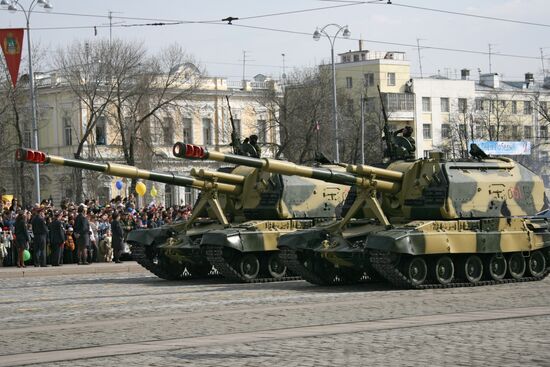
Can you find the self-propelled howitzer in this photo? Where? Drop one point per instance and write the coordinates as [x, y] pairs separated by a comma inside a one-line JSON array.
[[165, 250], [272, 204], [424, 223]]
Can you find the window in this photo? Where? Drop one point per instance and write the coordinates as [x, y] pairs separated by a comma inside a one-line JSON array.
[[492, 131], [187, 130], [262, 131], [462, 105], [398, 101], [515, 131], [427, 131], [369, 79], [67, 131], [463, 131], [527, 132], [156, 132], [237, 123], [350, 106], [391, 79], [479, 104], [426, 104], [168, 131], [207, 131], [527, 108], [544, 132], [514, 107], [503, 104], [349, 82], [544, 106], [355, 58], [493, 106], [445, 131], [543, 156], [101, 130], [27, 138], [444, 104]]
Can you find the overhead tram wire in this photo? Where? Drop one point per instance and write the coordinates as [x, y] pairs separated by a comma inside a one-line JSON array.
[[301, 33], [486, 17]]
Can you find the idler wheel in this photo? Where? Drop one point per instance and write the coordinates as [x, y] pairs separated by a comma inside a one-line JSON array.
[[444, 270], [497, 266], [516, 265], [249, 266], [537, 264], [275, 266], [473, 269], [417, 270]]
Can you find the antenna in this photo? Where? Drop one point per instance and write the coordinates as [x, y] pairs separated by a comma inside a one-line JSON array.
[[284, 73], [490, 63], [419, 57], [244, 67]]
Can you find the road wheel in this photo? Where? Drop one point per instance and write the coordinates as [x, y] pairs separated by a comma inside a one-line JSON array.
[[249, 266], [275, 266], [473, 269], [444, 270], [199, 270], [497, 266], [417, 270], [537, 264], [516, 265]]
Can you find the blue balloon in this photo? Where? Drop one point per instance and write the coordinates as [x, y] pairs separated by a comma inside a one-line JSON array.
[[118, 184]]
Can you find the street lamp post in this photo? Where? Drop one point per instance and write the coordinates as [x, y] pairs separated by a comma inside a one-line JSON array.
[[13, 6], [317, 36]]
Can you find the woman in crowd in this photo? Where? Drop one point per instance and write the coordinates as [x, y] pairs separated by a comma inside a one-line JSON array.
[[21, 237]]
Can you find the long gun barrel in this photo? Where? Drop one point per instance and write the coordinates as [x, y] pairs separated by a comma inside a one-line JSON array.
[[120, 170], [365, 176]]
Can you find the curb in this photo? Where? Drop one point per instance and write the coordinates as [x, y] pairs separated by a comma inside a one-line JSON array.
[[72, 269]]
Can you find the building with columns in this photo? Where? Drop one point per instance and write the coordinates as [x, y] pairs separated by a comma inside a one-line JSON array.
[[201, 118]]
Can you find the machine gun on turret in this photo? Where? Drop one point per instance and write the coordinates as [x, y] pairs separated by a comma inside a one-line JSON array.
[[397, 147]]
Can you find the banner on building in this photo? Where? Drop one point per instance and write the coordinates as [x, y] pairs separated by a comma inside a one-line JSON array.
[[12, 44], [504, 147]]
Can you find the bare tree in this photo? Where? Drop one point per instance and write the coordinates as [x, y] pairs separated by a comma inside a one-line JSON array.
[[145, 88], [86, 67]]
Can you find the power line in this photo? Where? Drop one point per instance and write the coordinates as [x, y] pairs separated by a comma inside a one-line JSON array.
[[508, 20], [394, 43]]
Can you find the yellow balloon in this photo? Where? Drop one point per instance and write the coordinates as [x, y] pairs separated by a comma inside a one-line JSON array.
[[141, 188], [154, 191]]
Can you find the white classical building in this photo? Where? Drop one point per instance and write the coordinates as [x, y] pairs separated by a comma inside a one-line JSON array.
[[202, 118]]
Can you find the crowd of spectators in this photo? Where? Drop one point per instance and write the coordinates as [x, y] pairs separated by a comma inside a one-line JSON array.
[[76, 233]]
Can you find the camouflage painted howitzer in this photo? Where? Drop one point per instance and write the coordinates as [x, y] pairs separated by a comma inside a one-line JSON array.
[[423, 223], [271, 204], [160, 249]]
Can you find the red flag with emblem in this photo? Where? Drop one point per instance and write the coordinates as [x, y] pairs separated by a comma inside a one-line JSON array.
[[12, 44]]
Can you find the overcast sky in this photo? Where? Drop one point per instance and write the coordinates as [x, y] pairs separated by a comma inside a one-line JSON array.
[[219, 47]]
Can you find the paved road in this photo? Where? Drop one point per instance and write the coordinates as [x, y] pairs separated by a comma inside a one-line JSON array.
[[137, 319]]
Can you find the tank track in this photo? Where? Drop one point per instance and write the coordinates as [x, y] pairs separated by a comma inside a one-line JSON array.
[[139, 255], [290, 259], [214, 254], [382, 262]]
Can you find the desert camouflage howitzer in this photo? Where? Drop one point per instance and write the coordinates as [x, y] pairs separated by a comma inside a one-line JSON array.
[[423, 223], [149, 246], [271, 204]]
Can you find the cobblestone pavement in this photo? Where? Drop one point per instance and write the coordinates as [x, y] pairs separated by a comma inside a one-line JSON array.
[[215, 323]]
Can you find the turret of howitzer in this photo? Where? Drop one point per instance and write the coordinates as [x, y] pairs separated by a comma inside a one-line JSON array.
[[222, 182], [362, 176], [430, 188]]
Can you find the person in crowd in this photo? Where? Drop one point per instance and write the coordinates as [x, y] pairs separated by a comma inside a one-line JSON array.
[[40, 234], [94, 241], [69, 246], [82, 235], [118, 238], [57, 239], [21, 237], [106, 247]]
